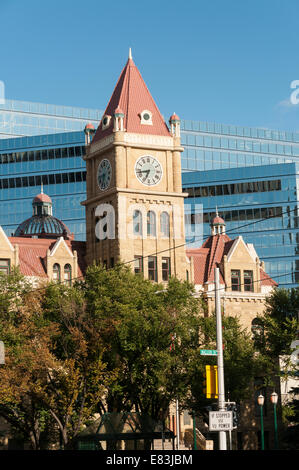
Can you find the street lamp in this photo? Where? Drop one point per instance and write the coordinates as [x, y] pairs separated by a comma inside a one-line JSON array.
[[260, 400], [274, 400]]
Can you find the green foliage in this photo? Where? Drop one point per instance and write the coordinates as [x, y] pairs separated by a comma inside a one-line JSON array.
[[278, 329], [148, 333], [240, 362], [112, 342]]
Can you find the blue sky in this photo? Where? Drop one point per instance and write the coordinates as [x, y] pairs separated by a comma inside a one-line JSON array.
[[227, 61]]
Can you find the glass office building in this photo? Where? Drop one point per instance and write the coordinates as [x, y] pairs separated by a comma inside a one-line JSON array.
[[215, 157], [54, 160], [23, 118], [260, 203], [211, 146], [43, 143]]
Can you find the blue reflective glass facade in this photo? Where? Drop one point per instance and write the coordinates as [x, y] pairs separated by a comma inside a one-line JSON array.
[[211, 146], [24, 118], [245, 196], [54, 160], [248, 173]]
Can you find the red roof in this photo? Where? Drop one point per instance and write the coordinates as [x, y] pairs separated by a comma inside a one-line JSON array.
[[210, 255], [133, 97], [42, 198], [174, 117], [217, 220], [33, 252], [89, 126]]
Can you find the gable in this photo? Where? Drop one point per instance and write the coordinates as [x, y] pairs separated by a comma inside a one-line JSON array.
[[61, 250], [239, 253], [6, 248]]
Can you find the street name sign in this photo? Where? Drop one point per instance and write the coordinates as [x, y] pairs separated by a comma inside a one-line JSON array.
[[208, 352], [220, 420]]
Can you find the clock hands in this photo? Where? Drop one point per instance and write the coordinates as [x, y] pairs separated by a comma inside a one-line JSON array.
[[144, 171], [148, 170]]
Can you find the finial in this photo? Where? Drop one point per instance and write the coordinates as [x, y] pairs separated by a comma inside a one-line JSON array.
[[42, 188], [216, 211], [130, 53]]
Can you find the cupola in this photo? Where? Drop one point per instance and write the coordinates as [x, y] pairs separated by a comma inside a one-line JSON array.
[[218, 225], [42, 224], [175, 122]]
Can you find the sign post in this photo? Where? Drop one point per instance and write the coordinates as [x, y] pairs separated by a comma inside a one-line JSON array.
[[221, 392]]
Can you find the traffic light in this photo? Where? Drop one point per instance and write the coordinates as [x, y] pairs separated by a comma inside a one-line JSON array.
[[235, 408], [211, 382]]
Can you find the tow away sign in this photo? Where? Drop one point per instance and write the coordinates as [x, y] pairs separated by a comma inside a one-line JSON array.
[[220, 420]]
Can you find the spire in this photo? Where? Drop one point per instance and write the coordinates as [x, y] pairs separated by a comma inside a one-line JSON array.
[[42, 188], [131, 95]]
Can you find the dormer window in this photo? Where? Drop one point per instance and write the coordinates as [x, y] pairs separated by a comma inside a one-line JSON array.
[[106, 121], [146, 118]]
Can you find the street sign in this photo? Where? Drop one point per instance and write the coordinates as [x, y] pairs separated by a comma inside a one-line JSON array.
[[208, 352], [220, 420]]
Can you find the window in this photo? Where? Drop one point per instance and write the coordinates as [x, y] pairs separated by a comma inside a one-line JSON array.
[[68, 274], [152, 268], [138, 265], [137, 223], [4, 266], [151, 224], [248, 281], [146, 117], [164, 223], [165, 269], [56, 272], [235, 280]]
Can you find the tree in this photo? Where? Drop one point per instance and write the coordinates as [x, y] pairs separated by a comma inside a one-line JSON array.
[[54, 376], [79, 380], [26, 338], [148, 332], [240, 363], [278, 329]]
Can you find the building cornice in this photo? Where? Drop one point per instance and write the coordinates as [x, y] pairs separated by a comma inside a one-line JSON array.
[[126, 139], [141, 192]]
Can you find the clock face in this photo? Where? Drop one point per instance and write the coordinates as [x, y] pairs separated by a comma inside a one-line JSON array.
[[104, 174], [148, 170]]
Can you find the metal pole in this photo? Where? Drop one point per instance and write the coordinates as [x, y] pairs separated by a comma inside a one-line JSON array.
[[262, 430], [178, 425], [221, 392], [194, 432], [275, 427]]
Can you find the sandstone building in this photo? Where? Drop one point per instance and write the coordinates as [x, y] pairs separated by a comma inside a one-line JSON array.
[[43, 247], [244, 283], [135, 214]]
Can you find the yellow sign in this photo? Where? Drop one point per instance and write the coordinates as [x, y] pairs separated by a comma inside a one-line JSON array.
[[211, 382]]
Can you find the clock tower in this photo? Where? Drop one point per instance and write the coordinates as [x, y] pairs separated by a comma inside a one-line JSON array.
[[135, 205]]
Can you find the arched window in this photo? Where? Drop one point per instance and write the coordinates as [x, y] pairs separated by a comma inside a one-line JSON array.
[[56, 272], [151, 224], [164, 224], [68, 274], [137, 223]]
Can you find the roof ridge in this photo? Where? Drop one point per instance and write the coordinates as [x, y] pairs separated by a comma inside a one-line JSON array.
[[214, 249]]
